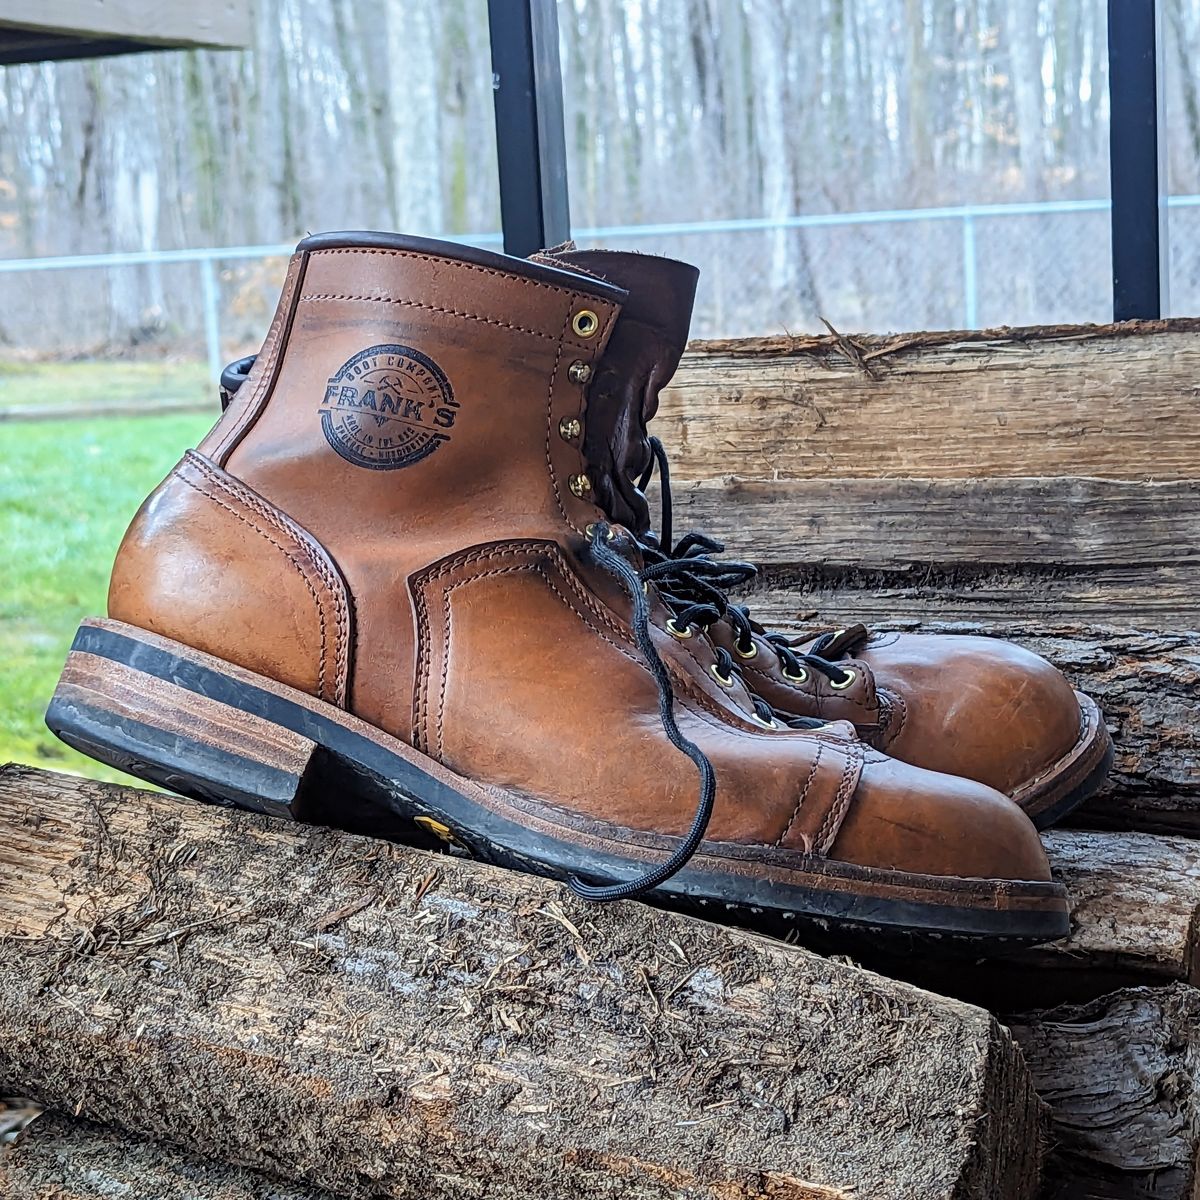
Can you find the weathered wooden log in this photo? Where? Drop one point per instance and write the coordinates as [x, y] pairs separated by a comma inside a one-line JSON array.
[[998, 473], [1104, 401], [889, 524], [381, 1021], [1151, 596], [1135, 919], [1120, 1076], [58, 1158]]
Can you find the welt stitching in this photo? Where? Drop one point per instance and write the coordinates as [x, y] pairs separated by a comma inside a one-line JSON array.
[[437, 308], [299, 571], [1085, 728], [417, 256], [812, 772], [332, 582]]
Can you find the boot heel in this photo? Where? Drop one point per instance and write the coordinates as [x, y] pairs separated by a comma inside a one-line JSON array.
[[179, 739]]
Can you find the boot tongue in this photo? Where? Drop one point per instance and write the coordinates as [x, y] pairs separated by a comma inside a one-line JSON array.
[[643, 351]]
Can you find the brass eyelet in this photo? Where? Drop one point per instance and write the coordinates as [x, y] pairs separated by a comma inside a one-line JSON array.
[[569, 428], [771, 724], [747, 655], [851, 676], [590, 528], [676, 631], [726, 681], [580, 486], [585, 323], [579, 372], [800, 676]]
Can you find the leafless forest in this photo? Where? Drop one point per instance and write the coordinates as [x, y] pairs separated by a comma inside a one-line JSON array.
[[378, 114]]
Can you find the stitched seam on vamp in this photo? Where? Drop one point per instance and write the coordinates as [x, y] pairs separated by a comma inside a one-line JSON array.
[[812, 774], [509, 570], [841, 802]]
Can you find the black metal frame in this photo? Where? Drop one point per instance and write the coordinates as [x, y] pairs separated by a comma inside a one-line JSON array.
[[1137, 159], [530, 138], [531, 143]]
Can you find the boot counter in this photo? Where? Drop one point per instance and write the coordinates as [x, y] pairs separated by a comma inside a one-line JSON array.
[[209, 563]]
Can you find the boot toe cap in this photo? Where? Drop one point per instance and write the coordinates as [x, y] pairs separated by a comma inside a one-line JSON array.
[[981, 708], [904, 818]]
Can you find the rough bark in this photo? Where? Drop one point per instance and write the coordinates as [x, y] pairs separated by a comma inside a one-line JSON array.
[[58, 1158], [1120, 1076], [379, 1021]]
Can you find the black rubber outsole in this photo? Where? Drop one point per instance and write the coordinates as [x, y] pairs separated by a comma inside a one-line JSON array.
[[384, 794]]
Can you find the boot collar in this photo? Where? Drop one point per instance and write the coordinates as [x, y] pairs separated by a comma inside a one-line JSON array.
[[641, 357]]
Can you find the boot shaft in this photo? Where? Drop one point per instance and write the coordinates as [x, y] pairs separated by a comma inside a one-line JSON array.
[[427, 388], [412, 402]]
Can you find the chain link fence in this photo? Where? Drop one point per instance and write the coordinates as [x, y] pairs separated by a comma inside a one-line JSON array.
[[963, 267]]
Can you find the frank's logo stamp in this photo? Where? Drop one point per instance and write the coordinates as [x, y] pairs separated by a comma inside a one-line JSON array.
[[388, 407]]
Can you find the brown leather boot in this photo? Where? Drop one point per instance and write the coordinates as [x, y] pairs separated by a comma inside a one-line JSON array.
[[382, 594], [977, 707]]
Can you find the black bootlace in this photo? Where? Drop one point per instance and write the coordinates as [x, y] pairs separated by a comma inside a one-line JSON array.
[[694, 586], [606, 557]]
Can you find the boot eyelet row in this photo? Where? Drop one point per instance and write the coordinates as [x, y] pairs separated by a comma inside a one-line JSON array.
[[800, 676], [681, 632], [579, 372], [569, 429], [585, 323], [726, 681], [746, 654], [851, 676]]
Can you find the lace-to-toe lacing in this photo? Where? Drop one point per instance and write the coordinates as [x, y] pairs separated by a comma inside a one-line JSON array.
[[694, 585]]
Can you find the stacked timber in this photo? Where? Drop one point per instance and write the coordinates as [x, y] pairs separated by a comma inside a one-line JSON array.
[[213, 1004]]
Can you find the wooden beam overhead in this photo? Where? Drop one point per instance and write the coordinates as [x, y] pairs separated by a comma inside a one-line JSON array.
[[39, 30]]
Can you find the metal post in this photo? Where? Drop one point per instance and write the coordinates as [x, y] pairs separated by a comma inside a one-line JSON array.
[[530, 139], [1137, 159], [970, 273], [212, 319]]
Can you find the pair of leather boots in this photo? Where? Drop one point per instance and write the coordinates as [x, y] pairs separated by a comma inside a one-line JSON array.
[[408, 585]]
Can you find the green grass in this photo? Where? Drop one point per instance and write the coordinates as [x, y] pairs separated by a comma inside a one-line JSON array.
[[41, 387], [68, 490]]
